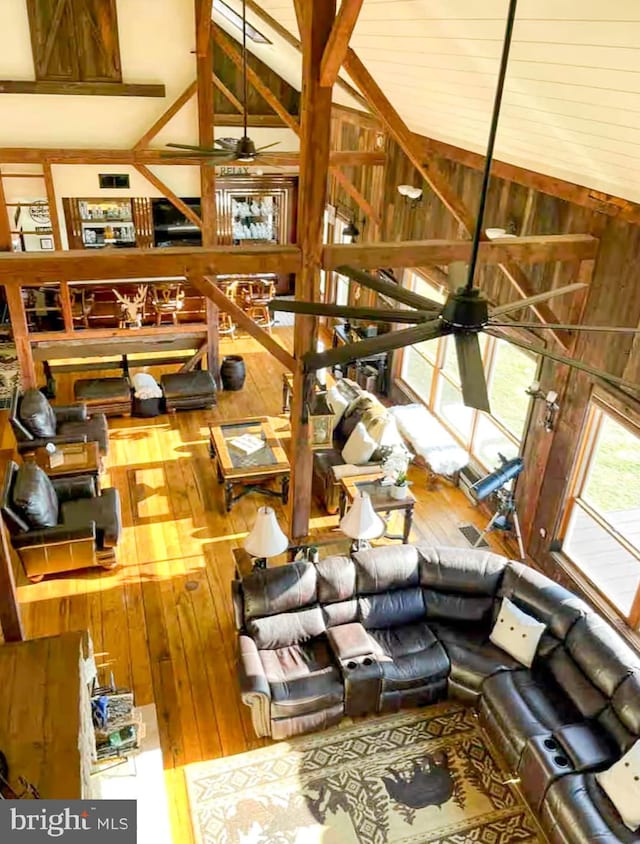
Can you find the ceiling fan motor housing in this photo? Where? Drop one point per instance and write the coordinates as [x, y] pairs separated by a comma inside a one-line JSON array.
[[466, 309], [246, 149]]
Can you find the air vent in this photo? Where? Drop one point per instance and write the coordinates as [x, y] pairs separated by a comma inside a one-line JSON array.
[[472, 535], [114, 180]]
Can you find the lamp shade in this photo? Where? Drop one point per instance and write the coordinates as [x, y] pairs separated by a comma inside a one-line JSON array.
[[350, 232], [362, 521], [266, 539]]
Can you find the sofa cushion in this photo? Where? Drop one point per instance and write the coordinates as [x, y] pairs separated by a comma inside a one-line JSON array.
[[473, 657], [615, 729], [391, 609], [287, 628], [462, 608], [303, 678], [95, 429], [35, 497], [587, 698], [517, 633], [601, 653], [365, 403], [409, 656], [540, 597], [577, 811], [341, 612], [279, 589], [338, 403], [336, 579], [359, 447], [36, 414], [626, 702], [386, 567], [621, 784], [103, 509], [455, 570]]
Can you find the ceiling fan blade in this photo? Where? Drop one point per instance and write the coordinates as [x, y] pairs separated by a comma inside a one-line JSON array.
[[533, 300], [575, 364], [393, 291], [268, 146], [369, 314], [199, 149], [227, 143], [562, 327], [471, 368], [374, 345]]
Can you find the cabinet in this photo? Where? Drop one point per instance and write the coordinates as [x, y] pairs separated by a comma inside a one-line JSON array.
[[96, 223]]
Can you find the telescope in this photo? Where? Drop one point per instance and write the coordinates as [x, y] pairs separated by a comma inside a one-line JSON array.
[[496, 480]]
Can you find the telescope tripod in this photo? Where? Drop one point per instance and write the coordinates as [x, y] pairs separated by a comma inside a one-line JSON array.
[[505, 518]]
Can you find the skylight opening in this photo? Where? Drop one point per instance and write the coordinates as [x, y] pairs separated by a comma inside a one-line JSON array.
[[234, 18]]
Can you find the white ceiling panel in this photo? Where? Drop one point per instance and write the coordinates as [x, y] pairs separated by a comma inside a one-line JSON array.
[[571, 105]]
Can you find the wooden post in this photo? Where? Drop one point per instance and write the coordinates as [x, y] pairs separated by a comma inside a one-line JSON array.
[[6, 243], [18, 320], [65, 305], [204, 63], [10, 621], [53, 208], [317, 19]]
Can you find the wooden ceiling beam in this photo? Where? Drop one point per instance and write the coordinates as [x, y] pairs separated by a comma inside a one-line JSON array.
[[39, 155], [211, 291], [166, 116], [351, 190], [254, 80], [34, 268], [166, 191], [227, 94], [403, 136], [290, 39], [416, 253], [338, 42], [89, 89]]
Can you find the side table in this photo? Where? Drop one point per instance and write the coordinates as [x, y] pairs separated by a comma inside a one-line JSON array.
[[76, 459], [381, 500]]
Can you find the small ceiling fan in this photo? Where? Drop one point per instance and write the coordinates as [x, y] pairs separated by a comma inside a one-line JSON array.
[[241, 149], [465, 313]]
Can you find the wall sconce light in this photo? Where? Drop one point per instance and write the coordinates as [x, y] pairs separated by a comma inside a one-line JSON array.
[[551, 401], [411, 194], [495, 233], [351, 232]]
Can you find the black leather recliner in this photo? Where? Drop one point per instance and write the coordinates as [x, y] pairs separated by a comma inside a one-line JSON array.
[[59, 524], [35, 423]]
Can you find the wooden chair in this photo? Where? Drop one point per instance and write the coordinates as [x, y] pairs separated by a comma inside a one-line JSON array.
[[256, 303], [167, 299]]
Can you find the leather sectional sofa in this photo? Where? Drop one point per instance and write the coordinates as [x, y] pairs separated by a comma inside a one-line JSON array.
[[402, 626]]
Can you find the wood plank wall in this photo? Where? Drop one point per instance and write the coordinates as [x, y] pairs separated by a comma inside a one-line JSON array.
[[612, 299]]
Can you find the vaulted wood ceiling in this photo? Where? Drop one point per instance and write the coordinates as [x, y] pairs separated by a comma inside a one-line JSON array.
[[572, 98]]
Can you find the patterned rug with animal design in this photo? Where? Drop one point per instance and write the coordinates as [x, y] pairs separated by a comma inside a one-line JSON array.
[[425, 776]]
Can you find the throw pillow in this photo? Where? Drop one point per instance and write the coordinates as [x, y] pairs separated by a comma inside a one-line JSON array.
[[517, 633], [35, 496], [338, 403], [36, 414], [621, 784], [359, 447]]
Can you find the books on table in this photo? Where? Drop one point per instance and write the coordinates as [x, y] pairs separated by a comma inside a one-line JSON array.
[[247, 443]]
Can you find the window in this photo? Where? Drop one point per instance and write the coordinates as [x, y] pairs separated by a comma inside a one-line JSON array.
[[233, 17], [601, 526], [341, 281], [430, 370]]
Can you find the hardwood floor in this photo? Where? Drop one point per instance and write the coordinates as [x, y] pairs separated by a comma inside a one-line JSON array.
[[162, 619]]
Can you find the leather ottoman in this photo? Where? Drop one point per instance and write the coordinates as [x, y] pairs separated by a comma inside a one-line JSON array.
[[111, 396], [189, 390]]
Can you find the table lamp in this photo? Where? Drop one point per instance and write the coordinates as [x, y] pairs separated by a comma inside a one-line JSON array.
[[265, 539], [361, 522]]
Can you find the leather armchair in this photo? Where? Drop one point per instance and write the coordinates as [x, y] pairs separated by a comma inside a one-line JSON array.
[[35, 423], [59, 524]]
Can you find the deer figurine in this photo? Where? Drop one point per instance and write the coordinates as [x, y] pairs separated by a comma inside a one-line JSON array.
[[132, 308]]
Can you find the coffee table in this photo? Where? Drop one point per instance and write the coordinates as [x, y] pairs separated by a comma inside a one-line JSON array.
[[243, 473], [381, 500], [77, 459]]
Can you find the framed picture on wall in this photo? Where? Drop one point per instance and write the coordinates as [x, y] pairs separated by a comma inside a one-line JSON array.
[[46, 243]]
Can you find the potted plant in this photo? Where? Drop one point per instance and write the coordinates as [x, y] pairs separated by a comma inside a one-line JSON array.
[[395, 467]]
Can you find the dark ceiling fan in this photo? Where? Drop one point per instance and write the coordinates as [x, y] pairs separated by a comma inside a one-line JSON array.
[[466, 311], [241, 149]]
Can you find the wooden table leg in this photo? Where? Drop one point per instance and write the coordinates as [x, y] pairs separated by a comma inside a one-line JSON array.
[[408, 521]]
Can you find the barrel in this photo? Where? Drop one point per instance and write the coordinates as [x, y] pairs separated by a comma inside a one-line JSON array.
[[232, 372]]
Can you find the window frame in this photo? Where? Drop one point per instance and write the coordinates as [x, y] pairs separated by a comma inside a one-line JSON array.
[[489, 361], [597, 408]]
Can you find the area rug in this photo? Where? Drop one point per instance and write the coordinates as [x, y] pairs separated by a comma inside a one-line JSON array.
[[424, 777]]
